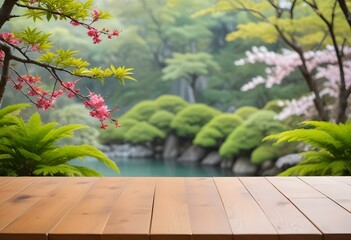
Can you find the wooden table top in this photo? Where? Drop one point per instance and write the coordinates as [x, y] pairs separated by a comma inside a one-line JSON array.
[[116, 208]]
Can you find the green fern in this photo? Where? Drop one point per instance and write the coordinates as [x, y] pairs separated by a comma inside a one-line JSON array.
[[333, 148], [29, 148]]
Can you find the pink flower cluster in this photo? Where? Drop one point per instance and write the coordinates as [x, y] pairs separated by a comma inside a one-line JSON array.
[[99, 109], [9, 38], [44, 99], [92, 31]]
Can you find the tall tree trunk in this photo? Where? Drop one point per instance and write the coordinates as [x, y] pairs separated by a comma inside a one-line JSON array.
[[5, 11]]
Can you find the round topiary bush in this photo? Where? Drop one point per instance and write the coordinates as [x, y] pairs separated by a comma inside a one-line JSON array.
[[249, 134], [188, 122], [143, 132], [162, 120], [215, 131], [171, 103], [142, 111], [263, 153], [245, 112]]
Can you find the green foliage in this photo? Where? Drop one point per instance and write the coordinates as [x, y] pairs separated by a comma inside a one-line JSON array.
[[171, 103], [143, 132], [189, 65], [263, 153], [274, 105], [142, 111], [117, 135], [190, 120], [245, 112], [249, 135], [30, 149], [162, 120], [331, 148], [76, 113], [215, 131]]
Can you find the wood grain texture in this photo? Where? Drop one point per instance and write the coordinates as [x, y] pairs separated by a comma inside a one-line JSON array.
[[35, 223], [22, 201], [11, 188], [131, 216], [246, 218], [5, 179], [170, 219], [207, 215], [294, 187], [331, 219], [338, 191], [289, 222], [89, 216], [346, 180]]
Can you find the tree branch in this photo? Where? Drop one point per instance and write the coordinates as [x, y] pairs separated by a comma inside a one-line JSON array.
[[6, 10], [346, 11], [5, 70]]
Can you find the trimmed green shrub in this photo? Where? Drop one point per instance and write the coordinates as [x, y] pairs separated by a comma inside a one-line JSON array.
[[117, 135], [142, 111], [143, 132], [162, 120], [249, 135], [171, 103], [263, 153], [245, 112], [215, 131], [189, 121]]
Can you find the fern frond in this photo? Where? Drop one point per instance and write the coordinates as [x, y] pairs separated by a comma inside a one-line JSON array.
[[88, 171], [316, 156], [69, 152], [12, 109], [315, 169], [62, 169], [58, 134]]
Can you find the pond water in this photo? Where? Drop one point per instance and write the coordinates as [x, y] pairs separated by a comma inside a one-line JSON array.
[[150, 167]]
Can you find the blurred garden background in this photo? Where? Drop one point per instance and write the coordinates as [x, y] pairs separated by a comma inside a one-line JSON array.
[[215, 78]]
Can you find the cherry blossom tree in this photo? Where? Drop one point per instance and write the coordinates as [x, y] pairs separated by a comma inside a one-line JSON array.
[[323, 65], [306, 27], [32, 47]]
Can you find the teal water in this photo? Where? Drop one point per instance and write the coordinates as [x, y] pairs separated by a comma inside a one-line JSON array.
[[149, 167]]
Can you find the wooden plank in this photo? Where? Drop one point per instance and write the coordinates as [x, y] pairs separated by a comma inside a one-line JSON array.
[[346, 180], [170, 219], [338, 191], [22, 201], [131, 216], [333, 220], [44, 215], [207, 214], [289, 222], [5, 179], [246, 218], [11, 188], [88, 218], [293, 187]]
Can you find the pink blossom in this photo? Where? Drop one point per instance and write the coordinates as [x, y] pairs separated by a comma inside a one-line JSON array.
[[96, 15], [35, 47], [94, 34], [44, 103], [74, 23], [9, 38]]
